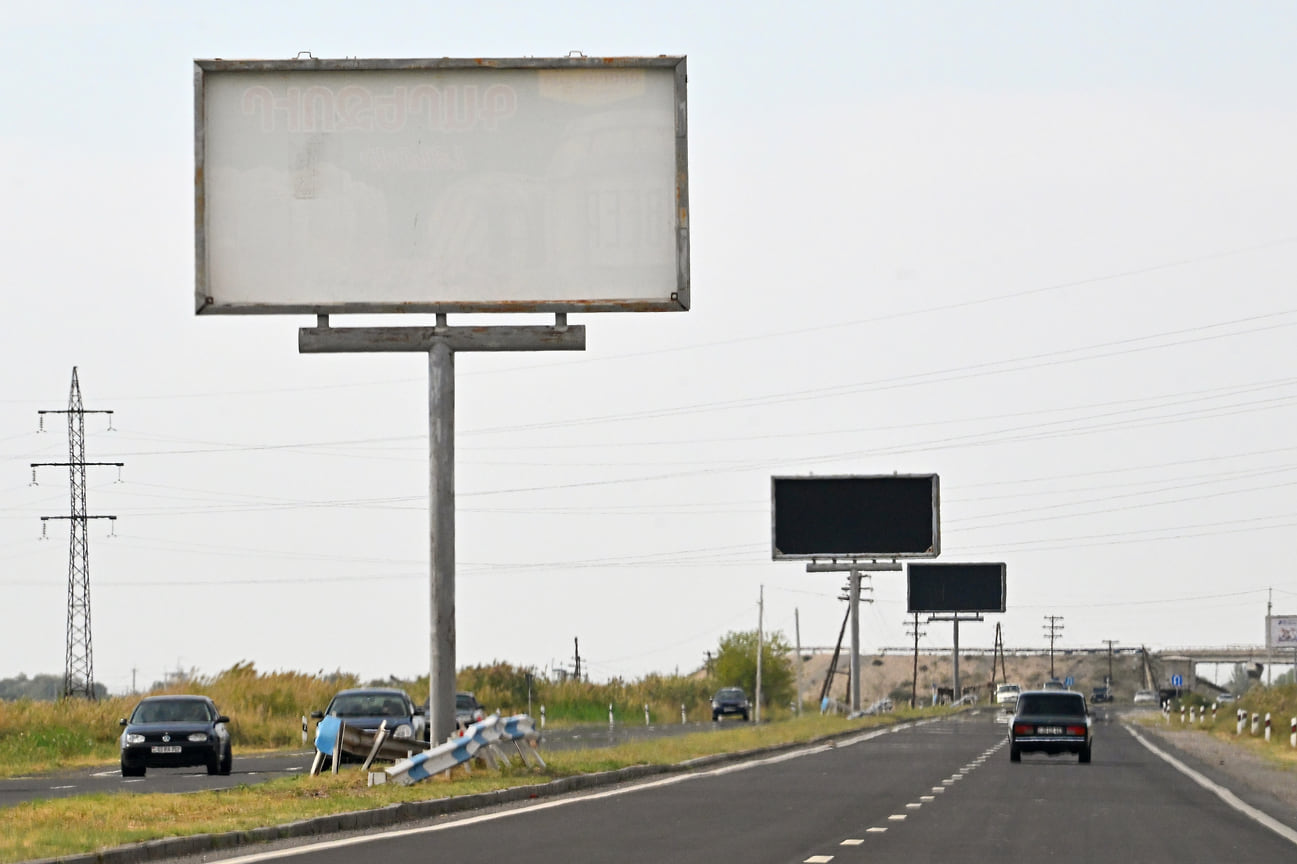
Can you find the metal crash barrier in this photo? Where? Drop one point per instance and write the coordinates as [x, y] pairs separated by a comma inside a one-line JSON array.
[[484, 738]]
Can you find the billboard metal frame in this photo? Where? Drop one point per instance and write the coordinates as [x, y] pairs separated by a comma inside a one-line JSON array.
[[207, 300], [861, 555]]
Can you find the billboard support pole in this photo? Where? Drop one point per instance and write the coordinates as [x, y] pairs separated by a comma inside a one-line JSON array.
[[957, 694], [440, 343], [855, 570], [855, 641]]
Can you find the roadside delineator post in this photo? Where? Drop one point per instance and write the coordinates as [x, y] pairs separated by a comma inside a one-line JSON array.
[[1182, 715], [1241, 716], [1256, 721], [610, 723], [1191, 715], [683, 717], [1292, 736], [542, 716], [1267, 727]]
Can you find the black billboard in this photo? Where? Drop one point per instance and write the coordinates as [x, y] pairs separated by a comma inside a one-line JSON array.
[[886, 516], [933, 587]]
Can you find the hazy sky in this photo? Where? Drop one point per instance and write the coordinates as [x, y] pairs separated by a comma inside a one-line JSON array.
[[1044, 250]]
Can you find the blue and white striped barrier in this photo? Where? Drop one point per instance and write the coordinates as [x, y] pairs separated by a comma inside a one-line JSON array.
[[482, 738]]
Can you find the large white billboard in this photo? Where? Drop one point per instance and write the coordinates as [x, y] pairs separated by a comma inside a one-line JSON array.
[[443, 185], [1281, 631]]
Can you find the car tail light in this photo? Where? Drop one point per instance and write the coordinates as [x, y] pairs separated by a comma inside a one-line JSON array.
[[1075, 730], [1023, 729]]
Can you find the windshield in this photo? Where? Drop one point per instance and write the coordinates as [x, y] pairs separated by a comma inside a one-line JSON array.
[[730, 693], [1051, 703], [368, 705], [172, 711]]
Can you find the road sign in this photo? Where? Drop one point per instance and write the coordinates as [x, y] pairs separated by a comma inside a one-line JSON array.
[[1069, 681], [1177, 680]]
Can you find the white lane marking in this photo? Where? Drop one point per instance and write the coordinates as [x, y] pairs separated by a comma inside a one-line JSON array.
[[63, 787], [927, 797], [1221, 792], [312, 848], [913, 806], [136, 780], [938, 788], [107, 774], [875, 830], [818, 859], [851, 842], [896, 817]]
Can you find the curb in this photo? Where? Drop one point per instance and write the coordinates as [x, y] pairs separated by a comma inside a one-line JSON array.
[[409, 811]]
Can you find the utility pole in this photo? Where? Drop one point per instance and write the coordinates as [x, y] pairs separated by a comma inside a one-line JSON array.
[[1053, 629], [998, 654], [916, 633], [79, 667], [1109, 643], [797, 638], [576, 653], [761, 608]]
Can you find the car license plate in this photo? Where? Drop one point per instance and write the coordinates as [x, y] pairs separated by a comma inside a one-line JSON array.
[[1049, 730], [173, 748]]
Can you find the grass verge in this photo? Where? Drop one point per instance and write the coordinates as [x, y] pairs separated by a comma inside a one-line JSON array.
[[66, 826]]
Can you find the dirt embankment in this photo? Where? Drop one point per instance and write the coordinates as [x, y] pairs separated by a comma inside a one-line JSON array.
[[890, 674]]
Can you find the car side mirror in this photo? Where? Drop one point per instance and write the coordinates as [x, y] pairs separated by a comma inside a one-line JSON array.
[[121, 722], [317, 715], [222, 719]]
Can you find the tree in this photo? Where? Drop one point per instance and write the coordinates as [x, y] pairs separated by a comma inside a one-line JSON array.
[[736, 665]]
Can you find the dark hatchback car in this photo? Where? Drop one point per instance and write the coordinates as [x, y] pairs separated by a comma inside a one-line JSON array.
[[175, 732], [729, 701], [1050, 721]]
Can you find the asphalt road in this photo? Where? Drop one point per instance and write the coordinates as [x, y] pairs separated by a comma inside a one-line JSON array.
[[941, 791], [245, 769]]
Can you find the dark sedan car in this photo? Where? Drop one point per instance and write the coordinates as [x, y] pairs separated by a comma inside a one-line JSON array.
[[367, 708], [173, 732], [729, 701], [1050, 721]]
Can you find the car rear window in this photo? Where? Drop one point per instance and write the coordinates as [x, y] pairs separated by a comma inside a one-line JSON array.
[[172, 711], [1051, 703]]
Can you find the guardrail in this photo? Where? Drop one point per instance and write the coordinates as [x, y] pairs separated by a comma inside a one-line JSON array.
[[482, 738]]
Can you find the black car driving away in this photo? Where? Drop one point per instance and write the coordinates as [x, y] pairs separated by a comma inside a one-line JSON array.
[[175, 732], [730, 700], [1050, 721]]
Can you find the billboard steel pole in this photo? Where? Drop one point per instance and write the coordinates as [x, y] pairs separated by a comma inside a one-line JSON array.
[[441, 447], [441, 343], [855, 641]]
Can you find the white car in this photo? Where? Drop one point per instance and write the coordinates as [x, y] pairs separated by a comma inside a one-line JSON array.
[[1007, 694], [1145, 697]]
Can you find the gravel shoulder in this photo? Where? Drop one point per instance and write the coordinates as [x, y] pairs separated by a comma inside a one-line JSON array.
[[1233, 766]]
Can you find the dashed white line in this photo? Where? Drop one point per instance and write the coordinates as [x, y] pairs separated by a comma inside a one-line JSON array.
[[913, 805], [851, 842], [819, 859], [896, 817], [63, 787], [875, 830]]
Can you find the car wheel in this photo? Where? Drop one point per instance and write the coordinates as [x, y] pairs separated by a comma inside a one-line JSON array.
[[1015, 755], [129, 770], [715, 716], [1084, 756], [227, 762], [745, 716], [214, 763]]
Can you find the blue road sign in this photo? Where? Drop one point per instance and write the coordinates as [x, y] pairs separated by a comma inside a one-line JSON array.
[[1069, 681], [1177, 680]]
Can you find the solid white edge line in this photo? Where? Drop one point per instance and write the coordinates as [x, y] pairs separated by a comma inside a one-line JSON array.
[[1221, 792], [310, 848]]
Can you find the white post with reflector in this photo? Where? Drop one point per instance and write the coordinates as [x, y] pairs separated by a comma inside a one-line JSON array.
[[1267, 727]]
